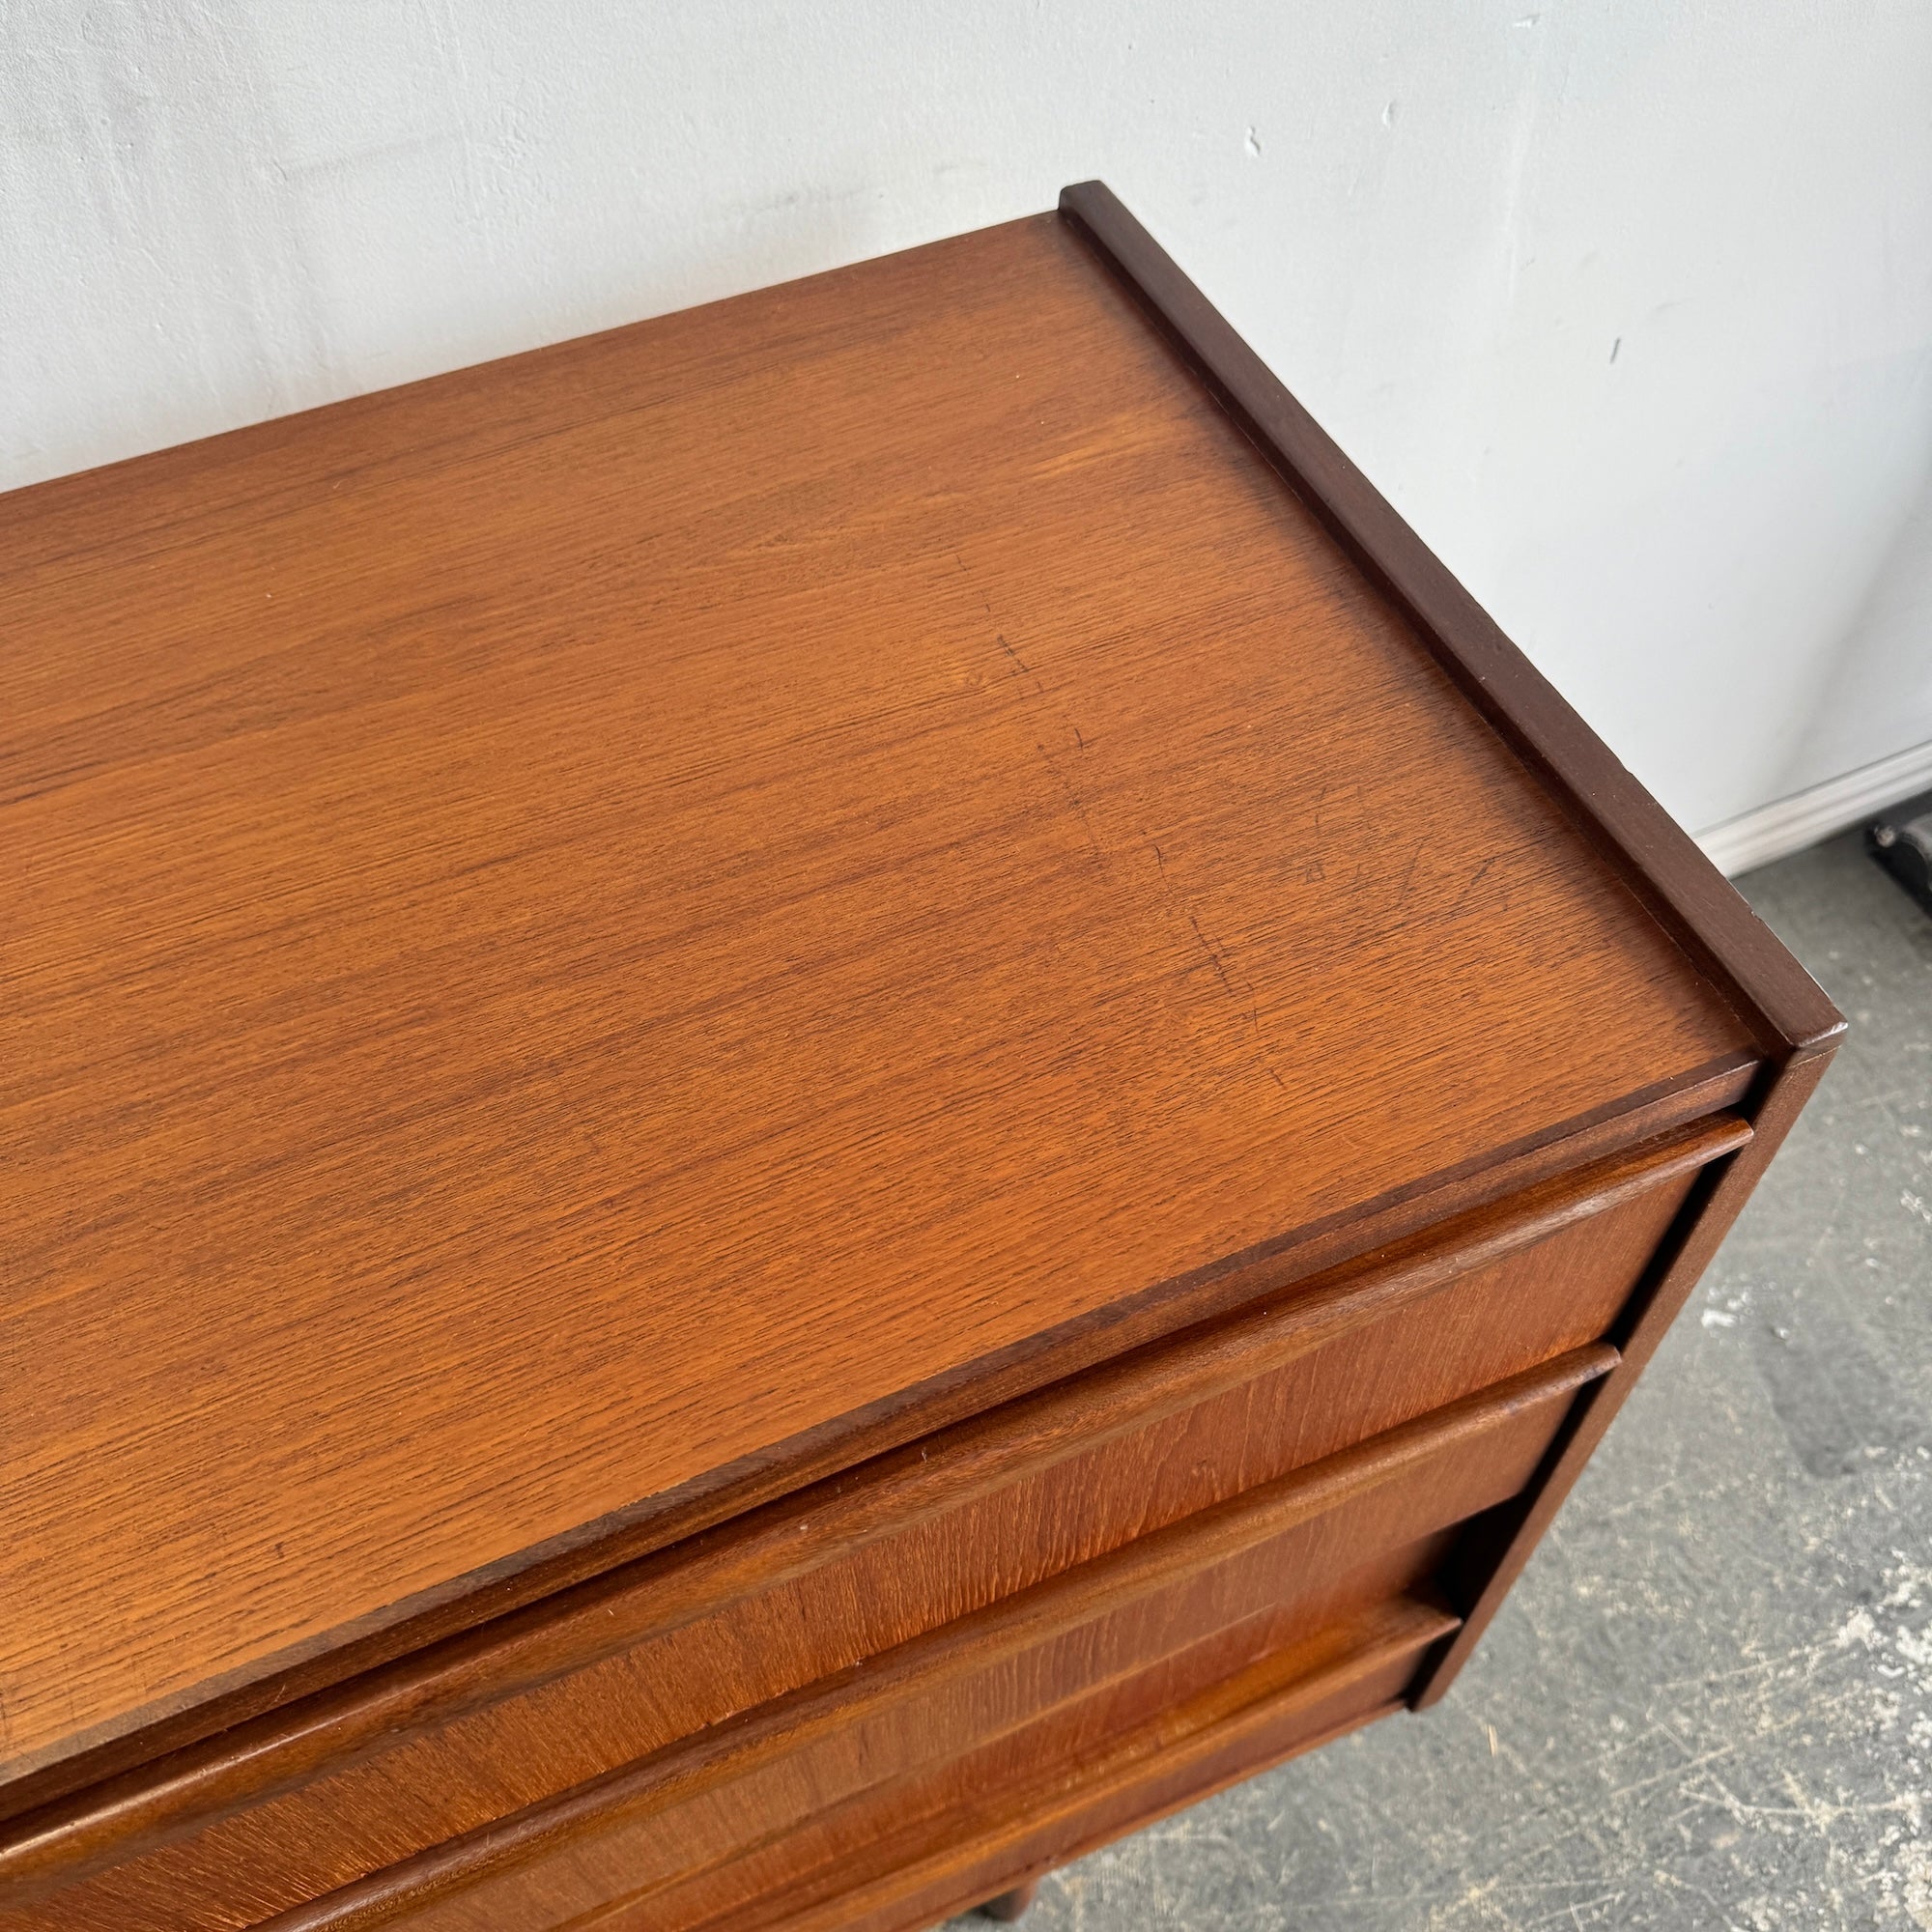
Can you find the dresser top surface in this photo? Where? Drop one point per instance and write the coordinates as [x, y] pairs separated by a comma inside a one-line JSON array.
[[572, 922]]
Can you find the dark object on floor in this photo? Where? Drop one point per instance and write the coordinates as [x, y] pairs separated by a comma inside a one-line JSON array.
[[1900, 839], [1011, 1905]]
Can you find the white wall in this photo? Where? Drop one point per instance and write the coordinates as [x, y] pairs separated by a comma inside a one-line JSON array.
[[1627, 305], [1880, 699]]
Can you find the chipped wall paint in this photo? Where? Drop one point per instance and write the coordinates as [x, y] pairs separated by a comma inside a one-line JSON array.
[[1628, 307]]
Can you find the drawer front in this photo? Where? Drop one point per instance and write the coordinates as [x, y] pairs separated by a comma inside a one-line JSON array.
[[310, 1798], [917, 1850], [1057, 1674], [913, 1853], [1348, 1675]]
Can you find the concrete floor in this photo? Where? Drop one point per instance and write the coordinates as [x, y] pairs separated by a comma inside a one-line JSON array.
[[1709, 1703]]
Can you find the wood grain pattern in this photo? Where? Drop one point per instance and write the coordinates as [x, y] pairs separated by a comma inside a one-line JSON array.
[[1031, 1809], [1651, 851], [618, 916], [1444, 1206], [1492, 1555], [914, 1849], [1276, 1563], [303, 1801]]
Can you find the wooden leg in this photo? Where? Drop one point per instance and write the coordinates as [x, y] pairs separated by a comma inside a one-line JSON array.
[[1009, 1904]]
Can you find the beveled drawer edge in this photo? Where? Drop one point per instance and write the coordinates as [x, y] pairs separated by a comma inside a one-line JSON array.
[[92, 1830], [1002, 1629], [1226, 1733], [1715, 1201]]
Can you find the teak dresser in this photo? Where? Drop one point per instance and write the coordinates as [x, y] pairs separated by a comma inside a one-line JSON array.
[[798, 1106]]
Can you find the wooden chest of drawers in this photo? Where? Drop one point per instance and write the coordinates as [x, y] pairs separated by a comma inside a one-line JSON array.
[[800, 1105]]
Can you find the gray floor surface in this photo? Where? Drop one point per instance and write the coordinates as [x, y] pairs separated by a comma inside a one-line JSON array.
[[1709, 1703]]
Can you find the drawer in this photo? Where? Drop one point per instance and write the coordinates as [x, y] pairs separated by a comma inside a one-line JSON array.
[[1057, 1789], [312, 1798], [1038, 1687]]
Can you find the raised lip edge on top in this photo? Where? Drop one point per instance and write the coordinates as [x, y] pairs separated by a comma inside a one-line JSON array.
[[1785, 1008]]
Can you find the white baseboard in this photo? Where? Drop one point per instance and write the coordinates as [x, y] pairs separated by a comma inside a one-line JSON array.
[[1790, 824]]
